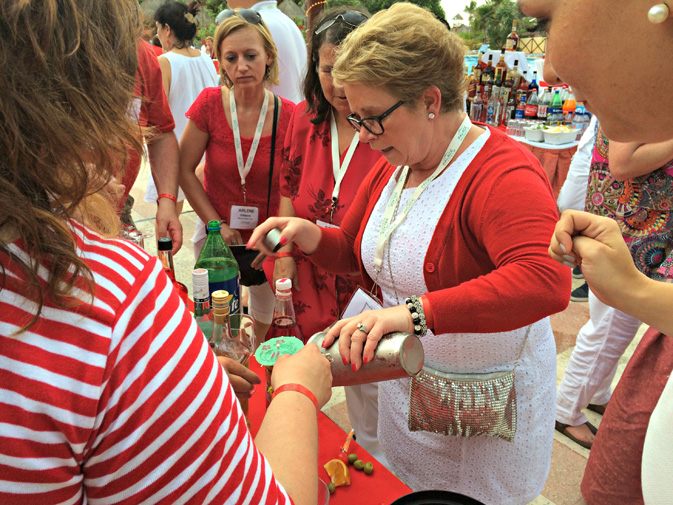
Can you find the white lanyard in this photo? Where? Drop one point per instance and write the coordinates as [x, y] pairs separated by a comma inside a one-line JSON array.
[[387, 226], [244, 169], [338, 169]]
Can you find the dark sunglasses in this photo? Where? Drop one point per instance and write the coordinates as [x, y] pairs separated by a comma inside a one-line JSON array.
[[251, 16], [372, 123], [352, 18]]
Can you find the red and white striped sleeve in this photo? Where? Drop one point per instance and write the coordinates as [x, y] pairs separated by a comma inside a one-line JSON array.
[[122, 401]]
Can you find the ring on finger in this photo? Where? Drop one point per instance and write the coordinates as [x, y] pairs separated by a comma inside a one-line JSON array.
[[362, 328]]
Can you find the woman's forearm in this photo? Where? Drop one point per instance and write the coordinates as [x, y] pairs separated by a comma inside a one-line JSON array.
[[288, 439]]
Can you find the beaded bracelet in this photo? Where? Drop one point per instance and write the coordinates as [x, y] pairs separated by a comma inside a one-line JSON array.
[[417, 315], [299, 389]]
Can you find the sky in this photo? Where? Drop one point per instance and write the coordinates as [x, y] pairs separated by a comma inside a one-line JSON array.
[[453, 7]]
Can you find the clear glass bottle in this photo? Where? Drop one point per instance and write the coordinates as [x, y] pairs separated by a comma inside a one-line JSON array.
[[165, 255], [223, 271], [284, 320], [202, 313]]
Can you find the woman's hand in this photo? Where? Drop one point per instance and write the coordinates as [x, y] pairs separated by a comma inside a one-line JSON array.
[[242, 379], [596, 244], [258, 262], [305, 234], [356, 346], [309, 368], [231, 236], [286, 268]]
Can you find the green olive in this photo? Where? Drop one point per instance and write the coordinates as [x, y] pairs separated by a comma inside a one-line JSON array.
[[331, 487], [359, 464], [352, 458], [369, 468]]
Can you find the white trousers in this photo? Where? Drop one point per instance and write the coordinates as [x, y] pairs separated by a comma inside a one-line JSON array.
[[362, 403], [593, 363]]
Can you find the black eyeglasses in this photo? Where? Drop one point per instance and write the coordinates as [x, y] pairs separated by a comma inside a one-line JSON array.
[[372, 123], [352, 18], [251, 16]]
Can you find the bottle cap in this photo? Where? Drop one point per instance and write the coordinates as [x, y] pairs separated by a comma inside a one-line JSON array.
[[165, 244], [272, 240], [283, 284], [200, 283], [213, 225], [220, 305]]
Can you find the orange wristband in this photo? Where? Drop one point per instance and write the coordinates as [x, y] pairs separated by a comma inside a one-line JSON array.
[[284, 254], [299, 389], [167, 195]]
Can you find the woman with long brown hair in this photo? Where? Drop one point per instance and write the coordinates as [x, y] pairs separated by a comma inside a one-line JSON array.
[[109, 393]]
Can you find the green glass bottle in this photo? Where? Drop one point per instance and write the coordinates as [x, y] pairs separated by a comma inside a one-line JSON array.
[[223, 272]]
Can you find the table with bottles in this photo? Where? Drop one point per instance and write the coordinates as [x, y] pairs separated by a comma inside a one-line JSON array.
[[382, 487]]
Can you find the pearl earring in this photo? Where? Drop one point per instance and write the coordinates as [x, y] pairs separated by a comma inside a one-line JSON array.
[[431, 115], [659, 13]]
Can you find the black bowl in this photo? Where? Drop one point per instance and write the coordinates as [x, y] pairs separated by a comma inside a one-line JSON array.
[[435, 497]]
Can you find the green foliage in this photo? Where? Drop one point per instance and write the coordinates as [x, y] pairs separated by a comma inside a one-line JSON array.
[[473, 40], [494, 20], [336, 3], [433, 6], [203, 32], [214, 7]]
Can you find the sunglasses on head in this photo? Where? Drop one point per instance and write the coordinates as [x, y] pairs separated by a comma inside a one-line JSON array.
[[352, 18], [249, 15]]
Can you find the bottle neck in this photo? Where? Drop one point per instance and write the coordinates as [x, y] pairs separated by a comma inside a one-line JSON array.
[[166, 258]]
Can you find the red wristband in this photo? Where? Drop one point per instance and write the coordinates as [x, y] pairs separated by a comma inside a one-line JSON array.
[[299, 389], [284, 254], [429, 319], [167, 195]]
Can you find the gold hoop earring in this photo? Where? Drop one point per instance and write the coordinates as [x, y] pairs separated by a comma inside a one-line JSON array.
[[659, 13]]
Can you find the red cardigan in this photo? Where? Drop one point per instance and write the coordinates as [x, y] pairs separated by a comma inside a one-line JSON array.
[[487, 267]]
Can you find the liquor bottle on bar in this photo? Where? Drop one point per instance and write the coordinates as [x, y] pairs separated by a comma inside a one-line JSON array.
[[485, 98], [502, 66], [513, 79], [202, 313], [284, 320], [512, 43], [533, 86], [217, 258], [488, 73], [476, 107], [491, 106], [164, 252], [510, 109]]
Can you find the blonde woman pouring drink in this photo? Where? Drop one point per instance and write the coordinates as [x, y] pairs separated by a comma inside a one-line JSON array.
[[454, 223]]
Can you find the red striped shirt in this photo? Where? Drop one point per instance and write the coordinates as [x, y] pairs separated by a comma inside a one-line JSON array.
[[121, 401]]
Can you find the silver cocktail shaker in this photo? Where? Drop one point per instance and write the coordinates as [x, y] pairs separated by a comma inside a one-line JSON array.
[[396, 356]]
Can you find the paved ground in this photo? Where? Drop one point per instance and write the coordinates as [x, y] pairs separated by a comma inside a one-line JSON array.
[[568, 458]]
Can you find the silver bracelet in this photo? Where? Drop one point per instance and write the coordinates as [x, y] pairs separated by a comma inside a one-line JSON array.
[[417, 315]]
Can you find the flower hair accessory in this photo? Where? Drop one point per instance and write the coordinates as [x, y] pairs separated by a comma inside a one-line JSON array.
[[189, 17]]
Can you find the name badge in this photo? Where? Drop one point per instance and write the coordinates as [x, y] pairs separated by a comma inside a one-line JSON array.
[[359, 302], [325, 224], [244, 217]]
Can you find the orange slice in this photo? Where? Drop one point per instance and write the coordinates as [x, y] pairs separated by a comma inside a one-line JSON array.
[[338, 472]]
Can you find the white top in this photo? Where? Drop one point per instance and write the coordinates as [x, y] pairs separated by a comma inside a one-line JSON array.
[[488, 469], [291, 50], [189, 76]]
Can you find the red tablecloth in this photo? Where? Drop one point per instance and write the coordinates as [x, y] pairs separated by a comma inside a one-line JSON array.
[[379, 488]]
